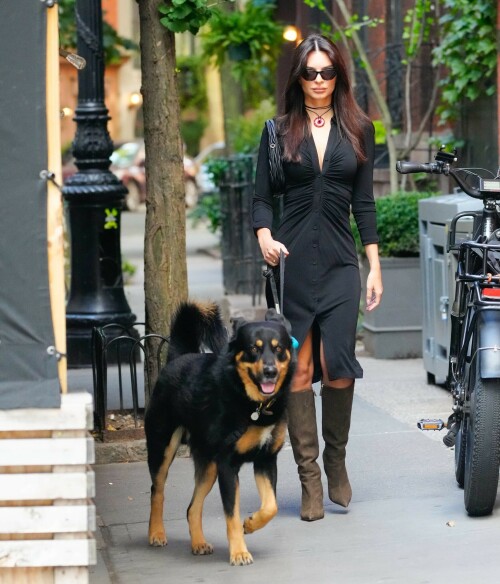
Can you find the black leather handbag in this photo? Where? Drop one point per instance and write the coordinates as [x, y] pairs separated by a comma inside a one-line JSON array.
[[275, 162]]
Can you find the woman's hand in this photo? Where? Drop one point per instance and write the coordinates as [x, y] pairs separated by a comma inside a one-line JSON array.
[[269, 247], [374, 288]]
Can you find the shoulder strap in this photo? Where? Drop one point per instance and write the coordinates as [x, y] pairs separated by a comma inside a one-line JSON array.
[[275, 162]]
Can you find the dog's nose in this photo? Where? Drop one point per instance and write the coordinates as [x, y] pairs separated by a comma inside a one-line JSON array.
[[270, 370]]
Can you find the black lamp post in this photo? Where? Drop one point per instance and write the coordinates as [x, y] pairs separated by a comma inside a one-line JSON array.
[[94, 198]]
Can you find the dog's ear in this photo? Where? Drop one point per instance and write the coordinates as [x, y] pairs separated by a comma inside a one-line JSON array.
[[272, 315]]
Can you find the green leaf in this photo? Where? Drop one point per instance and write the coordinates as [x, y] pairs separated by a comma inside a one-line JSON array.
[[468, 48], [185, 15]]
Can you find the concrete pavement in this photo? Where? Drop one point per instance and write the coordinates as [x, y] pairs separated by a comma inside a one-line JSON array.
[[406, 522]]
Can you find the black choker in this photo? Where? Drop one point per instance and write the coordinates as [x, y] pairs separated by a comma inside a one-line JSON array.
[[319, 122]]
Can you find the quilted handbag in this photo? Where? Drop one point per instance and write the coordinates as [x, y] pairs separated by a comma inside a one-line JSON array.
[[275, 162]]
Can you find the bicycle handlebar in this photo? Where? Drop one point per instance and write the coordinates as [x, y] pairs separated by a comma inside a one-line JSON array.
[[408, 167], [438, 167]]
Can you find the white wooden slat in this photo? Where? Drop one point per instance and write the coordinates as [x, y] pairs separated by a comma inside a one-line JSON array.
[[54, 552], [48, 519], [46, 451], [28, 486], [75, 413], [71, 575]]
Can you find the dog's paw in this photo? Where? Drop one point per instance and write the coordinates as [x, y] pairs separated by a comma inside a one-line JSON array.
[[158, 539], [249, 525], [202, 549], [241, 558]]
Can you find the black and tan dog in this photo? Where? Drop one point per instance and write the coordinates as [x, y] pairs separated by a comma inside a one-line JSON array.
[[230, 403]]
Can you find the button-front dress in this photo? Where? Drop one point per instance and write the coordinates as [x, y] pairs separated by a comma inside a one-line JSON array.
[[322, 285]]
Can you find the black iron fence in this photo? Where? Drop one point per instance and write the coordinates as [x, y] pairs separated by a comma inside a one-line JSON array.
[[125, 350], [241, 258]]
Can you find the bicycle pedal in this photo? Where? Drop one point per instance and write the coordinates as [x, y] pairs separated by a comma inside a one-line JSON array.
[[429, 424]]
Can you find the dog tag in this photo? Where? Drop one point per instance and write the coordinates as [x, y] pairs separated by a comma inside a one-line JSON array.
[[255, 415]]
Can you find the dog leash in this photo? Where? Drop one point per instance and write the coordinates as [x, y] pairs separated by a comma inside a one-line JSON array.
[[269, 274]]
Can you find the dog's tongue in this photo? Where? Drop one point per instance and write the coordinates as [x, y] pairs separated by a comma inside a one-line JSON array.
[[267, 387]]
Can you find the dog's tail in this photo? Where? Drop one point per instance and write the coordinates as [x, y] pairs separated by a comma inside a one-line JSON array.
[[196, 327]]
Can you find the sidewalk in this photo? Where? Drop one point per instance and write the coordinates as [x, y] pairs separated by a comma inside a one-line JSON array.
[[396, 519]]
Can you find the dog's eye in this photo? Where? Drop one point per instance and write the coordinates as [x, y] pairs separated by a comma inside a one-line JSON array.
[[279, 349], [254, 350]]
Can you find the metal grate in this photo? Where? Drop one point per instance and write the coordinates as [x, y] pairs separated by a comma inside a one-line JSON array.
[[122, 346]]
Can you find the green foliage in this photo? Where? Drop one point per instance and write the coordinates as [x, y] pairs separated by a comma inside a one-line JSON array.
[[184, 15], [217, 168], [418, 23], [315, 4], [113, 43], [208, 209], [355, 24], [253, 29], [447, 139], [468, 50], [192, 84], [192, 132], [128, 270], [246, 131], [380, 132], [397, 224], [193, 99]]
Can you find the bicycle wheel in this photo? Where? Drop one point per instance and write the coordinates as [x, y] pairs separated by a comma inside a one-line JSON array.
[[482, 449], [460, 442]]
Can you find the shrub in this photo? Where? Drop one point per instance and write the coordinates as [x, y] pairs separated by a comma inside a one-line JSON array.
[[397, 225], [246, 130]]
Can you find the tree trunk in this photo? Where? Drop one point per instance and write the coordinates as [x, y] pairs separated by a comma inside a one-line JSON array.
[[165, 271]]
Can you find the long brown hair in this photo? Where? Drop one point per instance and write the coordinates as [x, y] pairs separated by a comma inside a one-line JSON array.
[[294, 123]]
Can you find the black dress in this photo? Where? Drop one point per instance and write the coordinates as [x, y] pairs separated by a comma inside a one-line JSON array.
[[322, 284]]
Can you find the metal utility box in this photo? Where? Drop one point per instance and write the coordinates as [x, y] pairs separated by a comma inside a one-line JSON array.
[[438, 275]]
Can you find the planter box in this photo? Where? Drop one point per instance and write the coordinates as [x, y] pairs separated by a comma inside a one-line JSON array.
[[394, 329]]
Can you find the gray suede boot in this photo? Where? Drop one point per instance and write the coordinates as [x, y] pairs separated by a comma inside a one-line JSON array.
[[336, 416], [303, 432]]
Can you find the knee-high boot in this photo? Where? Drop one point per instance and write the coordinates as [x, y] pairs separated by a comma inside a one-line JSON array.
[[303, 432], [336, 421]]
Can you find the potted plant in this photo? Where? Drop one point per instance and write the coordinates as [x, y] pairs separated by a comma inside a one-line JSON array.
[[394, 329], [250, 38]]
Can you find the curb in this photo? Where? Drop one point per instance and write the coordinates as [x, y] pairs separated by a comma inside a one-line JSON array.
[[128, 451]]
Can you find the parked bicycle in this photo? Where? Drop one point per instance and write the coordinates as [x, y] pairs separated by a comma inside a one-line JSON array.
[[474, 355]]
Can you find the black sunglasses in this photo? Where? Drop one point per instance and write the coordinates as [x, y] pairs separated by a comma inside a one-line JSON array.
[[326, 74]]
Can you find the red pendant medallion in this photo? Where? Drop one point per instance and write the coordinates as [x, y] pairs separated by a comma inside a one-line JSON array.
[[319, 122]]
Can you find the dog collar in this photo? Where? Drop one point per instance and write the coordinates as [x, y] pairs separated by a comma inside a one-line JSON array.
[[262, 410]]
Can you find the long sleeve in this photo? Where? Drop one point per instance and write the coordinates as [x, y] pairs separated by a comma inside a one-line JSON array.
[[363, 202]]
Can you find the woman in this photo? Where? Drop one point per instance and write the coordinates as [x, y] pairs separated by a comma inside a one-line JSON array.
[[327, 145]]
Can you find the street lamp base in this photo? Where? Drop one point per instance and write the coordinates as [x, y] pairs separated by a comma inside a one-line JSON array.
[[79, 338]]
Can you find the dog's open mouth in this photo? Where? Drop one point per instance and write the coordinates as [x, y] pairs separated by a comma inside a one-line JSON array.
[[265, 383], [267, 387]]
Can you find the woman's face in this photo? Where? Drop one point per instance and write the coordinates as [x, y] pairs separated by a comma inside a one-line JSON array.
[[318, 91]]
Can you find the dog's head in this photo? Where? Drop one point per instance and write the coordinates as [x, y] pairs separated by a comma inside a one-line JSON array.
[[263, 354]]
